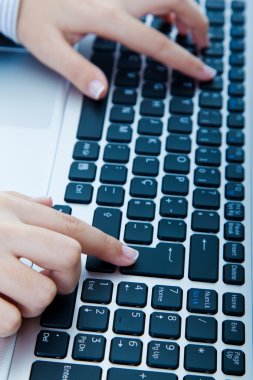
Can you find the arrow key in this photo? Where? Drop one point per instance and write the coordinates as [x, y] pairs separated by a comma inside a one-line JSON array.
[[126, 351]]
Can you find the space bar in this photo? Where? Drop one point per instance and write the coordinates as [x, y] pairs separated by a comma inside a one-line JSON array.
[[166, 261]]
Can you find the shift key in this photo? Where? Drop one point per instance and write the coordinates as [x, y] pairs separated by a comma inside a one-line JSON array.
[[204, 258]]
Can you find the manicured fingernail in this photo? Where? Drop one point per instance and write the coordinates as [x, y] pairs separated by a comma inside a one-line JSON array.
[[208, 72], [95, 89], [130, 253], [41, 199]]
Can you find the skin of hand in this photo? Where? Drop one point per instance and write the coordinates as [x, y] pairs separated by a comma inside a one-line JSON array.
[[49, 28], [30, 228]]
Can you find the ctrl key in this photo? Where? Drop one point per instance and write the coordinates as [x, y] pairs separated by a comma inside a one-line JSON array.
[[58, 371], [233, 362]]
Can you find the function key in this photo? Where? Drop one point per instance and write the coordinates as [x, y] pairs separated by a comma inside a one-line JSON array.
[[97, 291], [204, 198], [165, 325], [201, 329], [138, 233], [52, 344], [178, 143], [204, 301], [200, 358], [163, 355], [85, 150], [78, 193], [234, 211], [132, 294], [233, 332], [233, 304], [89, 348], [233, 362], [181, 106], [234, 191], [129, 322], [113, 174], [148, 126], [233, 274], [167, 297], [233, 252], [175, 185], [119, 133], [126, 351], [93, 318], [141, 209], [82, 171], [130, 374], [180, 124]]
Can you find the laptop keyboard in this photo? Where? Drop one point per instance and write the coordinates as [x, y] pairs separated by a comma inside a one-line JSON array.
[[185, 214]]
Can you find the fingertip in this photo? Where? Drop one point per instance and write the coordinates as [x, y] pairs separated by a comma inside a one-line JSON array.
[[96, 89], [206, 73], [128, 256]]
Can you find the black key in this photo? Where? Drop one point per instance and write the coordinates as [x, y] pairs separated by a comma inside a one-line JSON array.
[[215, 63], [205, 221], [78, 193], [237, 31], [171, 230], [110, 196], [165, 325], [129, 322], [93, 318], [234, 191], [204, 301], [233, 274], [218, 5], [233, 332], [236, 89], [236, 60], [82, 171], [233, 304], [52, 344], [59, 314], [105, 61], [236, 74], [178, 144], [237, 45], [89, 348], [163, 355], [86, 150], [125, 96], [152, 108], [138, 233], [234, 211], [141, 209], [180, 124], [183, 88], [235, 155], [235, 138], [52, 370], [127, 78], [200, 358], [116, 153], [167, 297], [234, 231], [149, 126], [193, 377], [201, 329], [209, 118], [156, 73], [119, 133], [216, 84], [233, 362], [166, 261], [148, 145], [204, 198], [204, 258], [210, 100], [126, 351], [181, 106], [64, 209], [129, 61], [146, 166], [207, 177], [175, 185], [103, 44], [122, 114], [107, 220], [235, 121], [97, 291], [234, 252], [216, 18], [113, 174], [215, 50], [154, 90], [216, 34], [208, 157], [209, 137], [235, 172], [132, 294], [129, 374], [173, 207], [175, 163], [143, 187], [236, 105], [93, 113], [238, 5]]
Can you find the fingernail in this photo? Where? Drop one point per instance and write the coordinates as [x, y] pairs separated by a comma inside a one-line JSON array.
[[41, 199], [208, 72], [95, 89], [130, 253]]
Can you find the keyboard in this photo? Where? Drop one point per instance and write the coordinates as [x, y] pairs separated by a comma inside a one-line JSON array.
[[162, 162]]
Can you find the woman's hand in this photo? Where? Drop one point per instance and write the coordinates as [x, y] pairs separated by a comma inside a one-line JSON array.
[[31, 229], [49, 28]]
